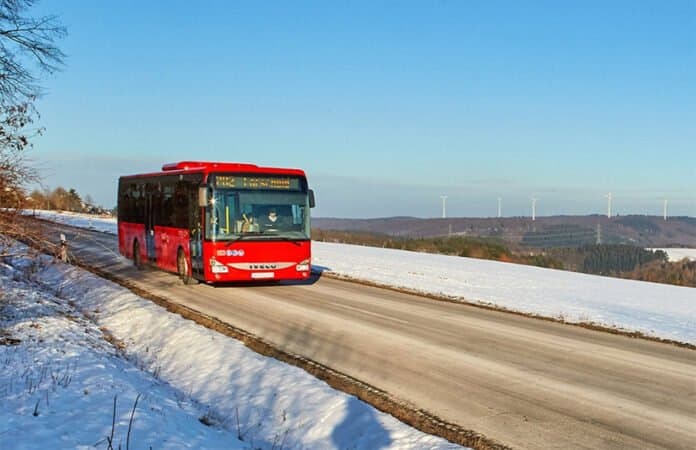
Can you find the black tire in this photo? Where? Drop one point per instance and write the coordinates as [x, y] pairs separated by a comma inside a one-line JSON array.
[[182, 268], [137, 259]]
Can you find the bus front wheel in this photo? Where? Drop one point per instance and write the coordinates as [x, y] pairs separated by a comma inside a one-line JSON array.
[[183, 268]]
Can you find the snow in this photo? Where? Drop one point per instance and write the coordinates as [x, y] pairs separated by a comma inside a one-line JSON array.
[[659, 310], [98, 223], [677, 254], [71, 343]]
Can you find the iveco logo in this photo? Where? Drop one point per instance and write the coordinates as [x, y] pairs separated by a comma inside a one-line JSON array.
[[262, 266]]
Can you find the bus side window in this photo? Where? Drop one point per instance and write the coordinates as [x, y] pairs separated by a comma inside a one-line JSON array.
[[297, 214]]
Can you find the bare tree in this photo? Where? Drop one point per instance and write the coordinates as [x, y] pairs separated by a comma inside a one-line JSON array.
[[27, 49], [14, 170], [26, 43]]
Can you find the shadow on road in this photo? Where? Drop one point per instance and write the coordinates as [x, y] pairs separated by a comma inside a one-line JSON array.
[[313, 278]]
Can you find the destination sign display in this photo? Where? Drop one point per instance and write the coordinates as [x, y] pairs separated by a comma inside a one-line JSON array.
[[257, 182]]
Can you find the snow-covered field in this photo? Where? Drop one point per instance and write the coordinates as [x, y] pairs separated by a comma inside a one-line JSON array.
[[677, 254], [173, 384], [654, 309], [105, 224]]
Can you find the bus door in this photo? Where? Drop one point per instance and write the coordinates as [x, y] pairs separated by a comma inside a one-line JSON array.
[[196, 234], [150, 225]]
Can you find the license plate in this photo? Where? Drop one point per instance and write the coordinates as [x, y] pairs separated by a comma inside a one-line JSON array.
[[262, 275]]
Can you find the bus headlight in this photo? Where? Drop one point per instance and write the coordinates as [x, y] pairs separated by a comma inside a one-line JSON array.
[[217, 267], [303, 266]]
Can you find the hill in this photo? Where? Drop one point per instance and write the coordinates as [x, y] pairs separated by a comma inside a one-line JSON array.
[[545, 232]]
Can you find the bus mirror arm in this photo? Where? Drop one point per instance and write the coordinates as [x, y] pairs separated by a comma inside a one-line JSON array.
[[312, 201], [203, 196]]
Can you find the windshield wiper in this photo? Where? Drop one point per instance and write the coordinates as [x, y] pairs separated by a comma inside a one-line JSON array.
[[245, 235], [295, 241], [240, 237], [266, 237]]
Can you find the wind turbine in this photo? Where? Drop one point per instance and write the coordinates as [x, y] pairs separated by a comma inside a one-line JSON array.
[[534, 200], [444, 206], [608, 196], [500, 207], [665, 210]]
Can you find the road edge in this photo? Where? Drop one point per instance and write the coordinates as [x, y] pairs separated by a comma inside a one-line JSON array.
[[493, 307]]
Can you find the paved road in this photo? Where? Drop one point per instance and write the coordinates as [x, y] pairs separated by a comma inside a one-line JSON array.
[[524, 382]]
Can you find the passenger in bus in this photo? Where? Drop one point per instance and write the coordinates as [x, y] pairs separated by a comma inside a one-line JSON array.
[[247, 224]]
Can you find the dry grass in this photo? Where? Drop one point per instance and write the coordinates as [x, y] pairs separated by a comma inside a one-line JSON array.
[[16, 227]]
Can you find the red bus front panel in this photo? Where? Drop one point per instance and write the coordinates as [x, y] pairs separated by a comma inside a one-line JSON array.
[[256, 260]]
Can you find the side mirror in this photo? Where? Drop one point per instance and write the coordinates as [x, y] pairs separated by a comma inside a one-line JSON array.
[[203, 196], [312, 201]]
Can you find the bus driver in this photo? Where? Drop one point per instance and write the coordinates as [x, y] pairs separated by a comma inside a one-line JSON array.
[[272, 220]]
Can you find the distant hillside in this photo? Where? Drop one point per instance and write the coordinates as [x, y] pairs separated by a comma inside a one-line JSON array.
[[545, 232]]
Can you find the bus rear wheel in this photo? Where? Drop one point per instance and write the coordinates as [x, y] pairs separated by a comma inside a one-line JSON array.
[[182, 268]]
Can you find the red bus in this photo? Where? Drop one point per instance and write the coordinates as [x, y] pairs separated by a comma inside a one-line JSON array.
[[217, 222]]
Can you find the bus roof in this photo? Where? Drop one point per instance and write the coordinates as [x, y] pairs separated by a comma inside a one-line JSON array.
[[183, 167]]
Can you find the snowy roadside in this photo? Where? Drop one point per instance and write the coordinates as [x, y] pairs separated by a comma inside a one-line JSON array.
[[59, 376]]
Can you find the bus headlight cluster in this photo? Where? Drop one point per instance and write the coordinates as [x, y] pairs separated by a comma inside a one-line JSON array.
[[303, 266], [217, 267]]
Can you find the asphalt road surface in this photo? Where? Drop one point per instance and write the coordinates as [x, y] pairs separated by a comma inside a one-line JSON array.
[[524, 382]]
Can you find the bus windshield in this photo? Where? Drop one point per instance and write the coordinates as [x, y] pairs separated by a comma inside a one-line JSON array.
[[234, 214]]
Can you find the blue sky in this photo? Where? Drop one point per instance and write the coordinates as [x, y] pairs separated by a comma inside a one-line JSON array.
[[386, 105]]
